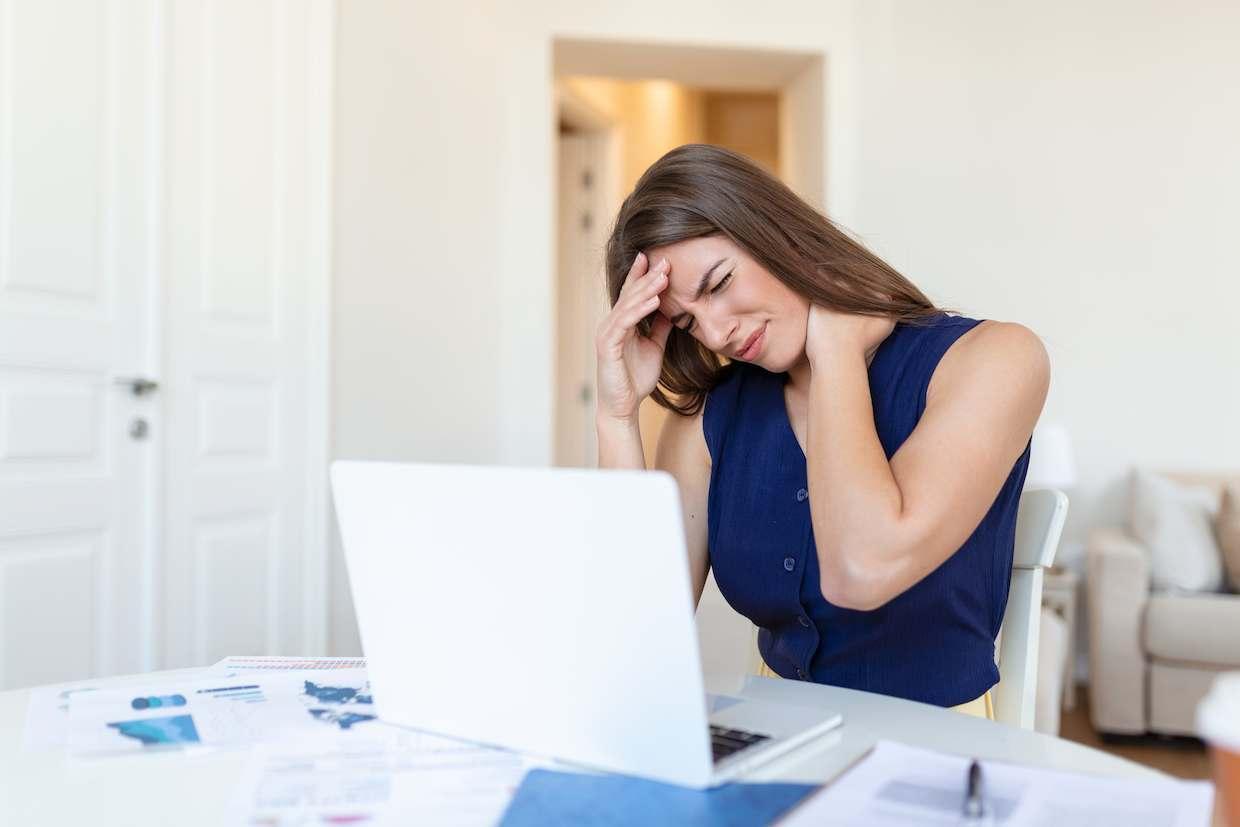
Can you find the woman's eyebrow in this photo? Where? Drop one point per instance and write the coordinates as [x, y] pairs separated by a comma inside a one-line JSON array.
[[701, 288]]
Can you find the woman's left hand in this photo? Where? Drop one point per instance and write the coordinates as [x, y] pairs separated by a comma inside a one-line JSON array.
[[831, 332]]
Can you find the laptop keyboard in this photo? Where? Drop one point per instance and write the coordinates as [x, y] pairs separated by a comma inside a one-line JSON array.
[[725, 742]]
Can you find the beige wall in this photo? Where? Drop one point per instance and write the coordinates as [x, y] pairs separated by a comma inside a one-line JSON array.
[[747, 122], [1068, 165], [651, 116]]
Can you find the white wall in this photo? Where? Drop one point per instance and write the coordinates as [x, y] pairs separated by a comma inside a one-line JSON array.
[[443, 330], [1072, 166], [1067, 165], [417, 315]]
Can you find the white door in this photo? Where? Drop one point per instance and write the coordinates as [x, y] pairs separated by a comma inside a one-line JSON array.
[[245, 443], [77, 235], [162, 165]]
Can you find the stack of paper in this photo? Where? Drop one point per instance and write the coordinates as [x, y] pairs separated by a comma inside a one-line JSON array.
[[239, 664], [48, 715], [318, 753], [228, 710], [389, 776], [900, 785]]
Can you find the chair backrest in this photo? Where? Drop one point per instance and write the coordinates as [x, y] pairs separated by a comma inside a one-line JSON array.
[[1039, 523]]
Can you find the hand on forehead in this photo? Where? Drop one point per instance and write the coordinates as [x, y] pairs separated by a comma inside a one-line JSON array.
[[693, 265]]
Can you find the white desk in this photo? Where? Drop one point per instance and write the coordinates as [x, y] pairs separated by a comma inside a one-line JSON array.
[[45, 788]]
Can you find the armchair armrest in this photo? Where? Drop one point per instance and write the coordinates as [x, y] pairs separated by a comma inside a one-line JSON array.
[[1117, 588]]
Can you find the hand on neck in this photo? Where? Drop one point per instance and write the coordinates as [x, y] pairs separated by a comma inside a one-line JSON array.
[[800, 374]]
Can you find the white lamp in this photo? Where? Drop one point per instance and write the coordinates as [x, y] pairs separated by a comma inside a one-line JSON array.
[[1051, 465], [1050, 460]]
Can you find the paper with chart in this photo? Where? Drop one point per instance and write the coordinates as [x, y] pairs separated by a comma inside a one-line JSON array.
[[227, 710], [898, 785], [47, 713], [389, 776]]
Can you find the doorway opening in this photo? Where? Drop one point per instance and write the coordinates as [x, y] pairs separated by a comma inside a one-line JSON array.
[[621, 106]]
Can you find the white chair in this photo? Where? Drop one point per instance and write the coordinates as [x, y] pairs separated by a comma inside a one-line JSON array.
[[1039, 522]]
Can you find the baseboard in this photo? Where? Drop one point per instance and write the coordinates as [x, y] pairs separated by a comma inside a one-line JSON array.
[[1146, 739]]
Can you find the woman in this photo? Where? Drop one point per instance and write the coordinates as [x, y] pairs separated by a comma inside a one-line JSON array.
[[852, 474]]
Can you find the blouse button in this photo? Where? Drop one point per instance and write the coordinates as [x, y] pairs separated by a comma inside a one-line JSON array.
[[801, 674], [790, 563], [803, 620], [801, 495]]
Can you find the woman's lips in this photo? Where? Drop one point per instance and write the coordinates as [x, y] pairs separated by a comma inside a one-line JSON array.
[[754, 346]]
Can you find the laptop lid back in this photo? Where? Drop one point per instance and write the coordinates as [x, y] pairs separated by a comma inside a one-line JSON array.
[[544, 610]]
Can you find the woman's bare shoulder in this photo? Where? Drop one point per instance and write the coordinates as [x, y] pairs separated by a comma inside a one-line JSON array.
[[1002, 355], [682, 445]]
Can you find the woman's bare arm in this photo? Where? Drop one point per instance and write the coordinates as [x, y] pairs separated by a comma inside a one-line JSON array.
[[619, 444], [882, 526], [682, 452], [629, 364]]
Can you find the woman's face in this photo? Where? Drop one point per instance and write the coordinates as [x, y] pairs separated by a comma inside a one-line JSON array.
[[731, 304]]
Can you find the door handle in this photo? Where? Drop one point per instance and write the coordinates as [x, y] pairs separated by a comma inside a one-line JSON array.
[[138, 385]]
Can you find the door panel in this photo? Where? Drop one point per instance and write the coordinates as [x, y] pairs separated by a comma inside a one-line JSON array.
[[156, 163], [237, 345], [76, 178]]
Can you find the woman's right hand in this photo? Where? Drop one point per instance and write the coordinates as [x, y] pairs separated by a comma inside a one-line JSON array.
[[628, 362]]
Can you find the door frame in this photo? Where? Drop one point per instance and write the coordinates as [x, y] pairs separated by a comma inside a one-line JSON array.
[[802, 82], [321, 60], [604, 134]]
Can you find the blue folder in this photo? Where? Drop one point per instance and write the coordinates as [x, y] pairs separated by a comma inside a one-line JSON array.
[[548, 799]]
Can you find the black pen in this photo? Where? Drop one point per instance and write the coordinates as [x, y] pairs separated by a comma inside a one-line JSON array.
[[974, 806]]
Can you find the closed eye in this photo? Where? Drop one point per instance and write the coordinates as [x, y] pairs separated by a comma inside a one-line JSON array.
[[718, 288]]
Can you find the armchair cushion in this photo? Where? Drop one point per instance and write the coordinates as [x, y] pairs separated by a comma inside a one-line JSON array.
[[1175, 523], [1227, 527], [1197, 628]]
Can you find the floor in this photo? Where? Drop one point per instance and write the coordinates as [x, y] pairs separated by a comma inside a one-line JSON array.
[[1181, 757]]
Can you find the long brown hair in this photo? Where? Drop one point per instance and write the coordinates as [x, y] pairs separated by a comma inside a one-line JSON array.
[[701, 190]]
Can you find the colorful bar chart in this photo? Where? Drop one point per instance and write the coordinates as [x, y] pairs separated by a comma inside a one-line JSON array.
[[248, 693]]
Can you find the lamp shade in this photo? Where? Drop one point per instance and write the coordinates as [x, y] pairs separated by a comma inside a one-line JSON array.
[[1050, 459]]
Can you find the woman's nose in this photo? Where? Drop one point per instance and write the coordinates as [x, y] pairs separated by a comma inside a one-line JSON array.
[[714, 333]]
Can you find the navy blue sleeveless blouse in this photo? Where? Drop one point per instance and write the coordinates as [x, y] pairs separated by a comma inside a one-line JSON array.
[[935, 642]]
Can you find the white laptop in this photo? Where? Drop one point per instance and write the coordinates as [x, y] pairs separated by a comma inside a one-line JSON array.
[[547, 611]]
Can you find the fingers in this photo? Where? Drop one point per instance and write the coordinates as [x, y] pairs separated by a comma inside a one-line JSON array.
[[617, 326], [642, 293], [651, 285], [638, 299], [622, 320], [640, 276], [637, 269], [660, 328], [638, 310]]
